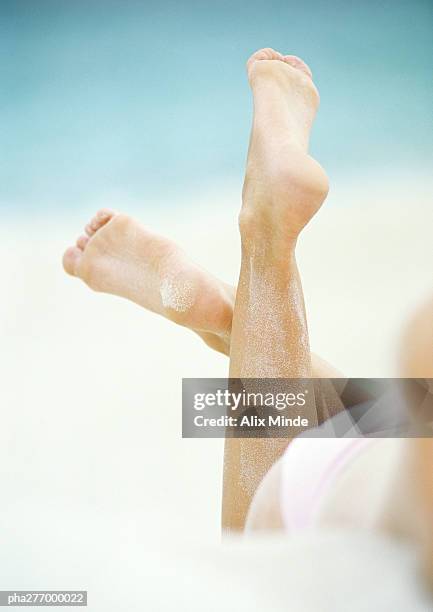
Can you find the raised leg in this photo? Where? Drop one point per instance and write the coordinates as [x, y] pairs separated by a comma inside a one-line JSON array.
[[283, 189]]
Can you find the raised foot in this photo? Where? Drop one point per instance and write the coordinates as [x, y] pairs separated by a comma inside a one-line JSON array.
[[118, 255], [284, 187]]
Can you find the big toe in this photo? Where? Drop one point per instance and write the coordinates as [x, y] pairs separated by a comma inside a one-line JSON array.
[[71, 259]]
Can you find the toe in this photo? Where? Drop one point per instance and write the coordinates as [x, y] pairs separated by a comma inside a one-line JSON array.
[[105, 214], [264, 54], [95, 224], [102, 217], [82, 242], [71, 259], [89, 230], [296, 62]]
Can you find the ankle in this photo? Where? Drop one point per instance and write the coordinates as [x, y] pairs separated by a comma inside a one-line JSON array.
[[265, 243]]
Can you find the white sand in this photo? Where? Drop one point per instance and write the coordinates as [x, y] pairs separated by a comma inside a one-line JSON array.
[[91, 384]]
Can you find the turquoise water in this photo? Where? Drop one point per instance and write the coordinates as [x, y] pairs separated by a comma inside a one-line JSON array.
[[150, 98]]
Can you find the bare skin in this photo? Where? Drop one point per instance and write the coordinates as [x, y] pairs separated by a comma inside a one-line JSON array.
[[284, 187], [120, 256]]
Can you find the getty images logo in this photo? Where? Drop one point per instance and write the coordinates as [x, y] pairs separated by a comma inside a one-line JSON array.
[[245, 399]]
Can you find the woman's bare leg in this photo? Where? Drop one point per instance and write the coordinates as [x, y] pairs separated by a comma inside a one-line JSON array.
[[283, 189]]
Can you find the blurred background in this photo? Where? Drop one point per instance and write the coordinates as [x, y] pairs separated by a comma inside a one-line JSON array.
[[145, 107], [150, 99]]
